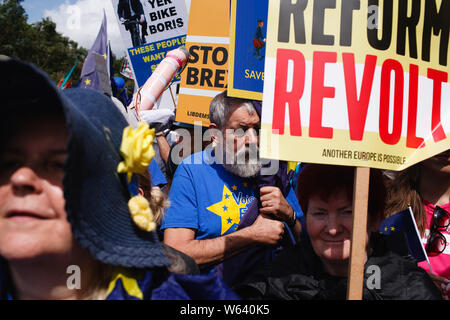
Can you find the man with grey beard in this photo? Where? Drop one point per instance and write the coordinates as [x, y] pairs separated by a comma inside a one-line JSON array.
[[212, 190]]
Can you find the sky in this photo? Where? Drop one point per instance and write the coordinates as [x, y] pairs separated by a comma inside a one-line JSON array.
[[79, 20]]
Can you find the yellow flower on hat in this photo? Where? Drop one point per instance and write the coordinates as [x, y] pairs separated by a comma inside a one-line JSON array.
[[136, 149], [141, 213]]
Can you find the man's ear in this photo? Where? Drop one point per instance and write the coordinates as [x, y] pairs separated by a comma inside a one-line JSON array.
[[141, 192]]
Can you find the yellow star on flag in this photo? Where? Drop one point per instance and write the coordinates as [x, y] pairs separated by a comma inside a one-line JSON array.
[[87, 82], [227, 209], [234, 188], [105, 56], [129, 283]]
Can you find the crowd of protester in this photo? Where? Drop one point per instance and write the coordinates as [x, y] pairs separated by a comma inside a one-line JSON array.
[[165, 210]]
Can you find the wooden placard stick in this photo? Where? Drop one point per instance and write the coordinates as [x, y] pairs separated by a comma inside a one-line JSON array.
[[359, 234]]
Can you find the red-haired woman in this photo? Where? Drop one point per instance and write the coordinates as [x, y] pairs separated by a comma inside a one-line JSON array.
[[317, 268]]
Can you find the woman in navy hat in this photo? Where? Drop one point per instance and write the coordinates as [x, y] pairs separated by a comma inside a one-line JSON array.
[[68, 229]]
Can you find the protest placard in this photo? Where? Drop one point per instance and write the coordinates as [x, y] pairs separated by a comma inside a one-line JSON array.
[[359, 83], [206, 73], [149, 30], [247, 48]]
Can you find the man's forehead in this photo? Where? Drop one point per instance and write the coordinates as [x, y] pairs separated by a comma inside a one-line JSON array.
[[241, 115]]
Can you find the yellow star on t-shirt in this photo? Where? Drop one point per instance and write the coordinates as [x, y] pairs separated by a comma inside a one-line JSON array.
[[245, 184], [228, 210], [234, 188]]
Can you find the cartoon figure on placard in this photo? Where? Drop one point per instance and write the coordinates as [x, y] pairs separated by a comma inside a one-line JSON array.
[[259, 40], [131, 15]]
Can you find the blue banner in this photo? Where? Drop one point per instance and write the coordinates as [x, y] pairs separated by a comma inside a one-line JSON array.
[[248, 39], [146, 58]]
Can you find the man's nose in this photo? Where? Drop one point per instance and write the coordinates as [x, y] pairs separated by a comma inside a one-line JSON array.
[[251, 137], [25, 180]]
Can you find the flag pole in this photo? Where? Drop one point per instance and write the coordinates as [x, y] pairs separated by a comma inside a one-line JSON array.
[[173, 99], [359, 234], [68, 75]]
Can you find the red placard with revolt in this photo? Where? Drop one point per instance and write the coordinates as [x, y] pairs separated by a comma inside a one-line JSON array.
[[358, 83]]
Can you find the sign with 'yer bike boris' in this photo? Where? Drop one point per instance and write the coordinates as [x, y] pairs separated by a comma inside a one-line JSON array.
[[150, 29], [359, 83]]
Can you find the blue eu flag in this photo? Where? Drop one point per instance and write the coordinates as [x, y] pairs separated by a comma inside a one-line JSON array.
[[89, 77], [404, 221]]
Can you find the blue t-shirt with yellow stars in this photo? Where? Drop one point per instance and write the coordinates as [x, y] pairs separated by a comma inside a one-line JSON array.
[[206, 197]]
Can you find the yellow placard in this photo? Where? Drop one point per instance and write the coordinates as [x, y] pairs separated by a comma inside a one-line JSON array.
[[359, 83], [206, 72]]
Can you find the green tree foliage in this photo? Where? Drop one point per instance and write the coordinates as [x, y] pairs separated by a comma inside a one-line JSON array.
[[54, 53], [16, 33], [39, 42]]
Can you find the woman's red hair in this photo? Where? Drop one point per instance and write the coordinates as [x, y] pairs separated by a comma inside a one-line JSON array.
[[325, 180]]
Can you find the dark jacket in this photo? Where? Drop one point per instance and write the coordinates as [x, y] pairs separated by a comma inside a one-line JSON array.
[[123, 9], [298, 274]]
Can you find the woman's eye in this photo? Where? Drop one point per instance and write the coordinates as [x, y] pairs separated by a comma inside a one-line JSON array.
[[319, 214], [347, 213], [55, 166], [10, 164]]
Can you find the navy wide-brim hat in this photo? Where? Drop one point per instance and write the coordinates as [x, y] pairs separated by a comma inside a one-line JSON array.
[[96, 195]]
